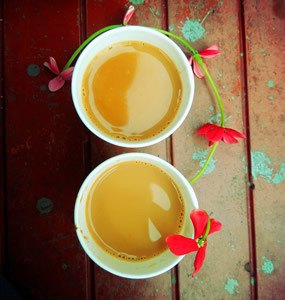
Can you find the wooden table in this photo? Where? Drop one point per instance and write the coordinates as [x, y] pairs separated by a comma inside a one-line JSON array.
[[46, 152]]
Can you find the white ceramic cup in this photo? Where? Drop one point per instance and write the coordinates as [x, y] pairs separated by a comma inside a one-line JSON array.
[[133, 269], [134, 33]]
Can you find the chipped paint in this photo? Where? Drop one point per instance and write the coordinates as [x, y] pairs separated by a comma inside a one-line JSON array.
[[193, 30], [136, 2], [154, 13], [171, 28], [201, 155], [231, 285], [216, 118], [43, 88], [262, 166], [270, 83], [267, 266], [33, 70]]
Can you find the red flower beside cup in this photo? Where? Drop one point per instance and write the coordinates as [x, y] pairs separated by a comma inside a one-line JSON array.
[[203, 226], [215, 133]]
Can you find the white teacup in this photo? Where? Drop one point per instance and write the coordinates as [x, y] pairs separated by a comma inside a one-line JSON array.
[[150, 36], [133, 269]]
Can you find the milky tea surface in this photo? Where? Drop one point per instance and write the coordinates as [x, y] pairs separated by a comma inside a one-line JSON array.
[[131, 90], [131, 208]]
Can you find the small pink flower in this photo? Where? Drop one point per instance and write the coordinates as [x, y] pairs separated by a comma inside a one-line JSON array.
[[209, 52], [58, 82], [128, 15]]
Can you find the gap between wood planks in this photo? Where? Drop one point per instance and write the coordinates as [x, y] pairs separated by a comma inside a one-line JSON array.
[[250, 187]]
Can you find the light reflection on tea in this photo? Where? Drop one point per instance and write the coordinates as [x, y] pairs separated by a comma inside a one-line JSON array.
[[131, 90], [131, 208]]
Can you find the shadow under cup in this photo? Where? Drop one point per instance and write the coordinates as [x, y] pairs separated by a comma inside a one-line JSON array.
[[139, 34], [137, 269]]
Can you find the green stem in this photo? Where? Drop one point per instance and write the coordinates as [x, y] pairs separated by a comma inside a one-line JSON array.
[[195, 55], [202, 170], [204, 237], [87, 41], [198, 58], [178, 38]]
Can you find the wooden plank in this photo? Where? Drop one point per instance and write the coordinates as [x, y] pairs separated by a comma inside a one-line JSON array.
[[2, 149], [265, 30], [223, 192], [45, 162], [107, 286]]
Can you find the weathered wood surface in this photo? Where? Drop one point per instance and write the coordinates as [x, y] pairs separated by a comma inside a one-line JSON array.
[[48, 152]]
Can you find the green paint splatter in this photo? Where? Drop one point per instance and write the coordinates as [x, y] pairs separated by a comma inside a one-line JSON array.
[[267, 266], [262, 166], [280, 176], [136, 2], [216, 118], [192, 30], [252, 281], [171, 27], [173, 280], [43, 88], [211, 108], [270, 83], [231, 285], [33, 70], [271, 98], [263, 51], [201, 155], [154, 13], [241, 54]]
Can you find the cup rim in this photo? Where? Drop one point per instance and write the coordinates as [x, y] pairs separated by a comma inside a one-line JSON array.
[[175, 123], [152, 159]]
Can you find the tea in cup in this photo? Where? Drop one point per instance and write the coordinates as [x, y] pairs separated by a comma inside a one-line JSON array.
[[126, 208], [132, 86]]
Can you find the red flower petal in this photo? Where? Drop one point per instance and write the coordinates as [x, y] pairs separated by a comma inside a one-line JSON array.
[[128, 15], [235, 133], [210, 52], [205, 128], [55, 84], [180, 245], [216, 134], [199, 259], [67, 74], [215, 226], [198, 70], [228, 138], [199, 219], [52, 65]]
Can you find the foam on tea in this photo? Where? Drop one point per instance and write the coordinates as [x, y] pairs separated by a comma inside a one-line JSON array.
[[131, 90], [131, 208]]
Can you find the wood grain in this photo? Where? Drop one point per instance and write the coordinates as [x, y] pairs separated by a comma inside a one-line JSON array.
[[44, 152], [265, 44], [223, 193]]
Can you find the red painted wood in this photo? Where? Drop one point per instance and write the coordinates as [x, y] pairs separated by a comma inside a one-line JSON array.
[[2, 150], [223, 192], [107, 286], [45, 140], [265, 30], [49, 151]]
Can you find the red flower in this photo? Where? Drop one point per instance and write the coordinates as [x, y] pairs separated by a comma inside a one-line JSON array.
[[57, 83], [215, 133], [128, 15], [203, 226], [209, 52]]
